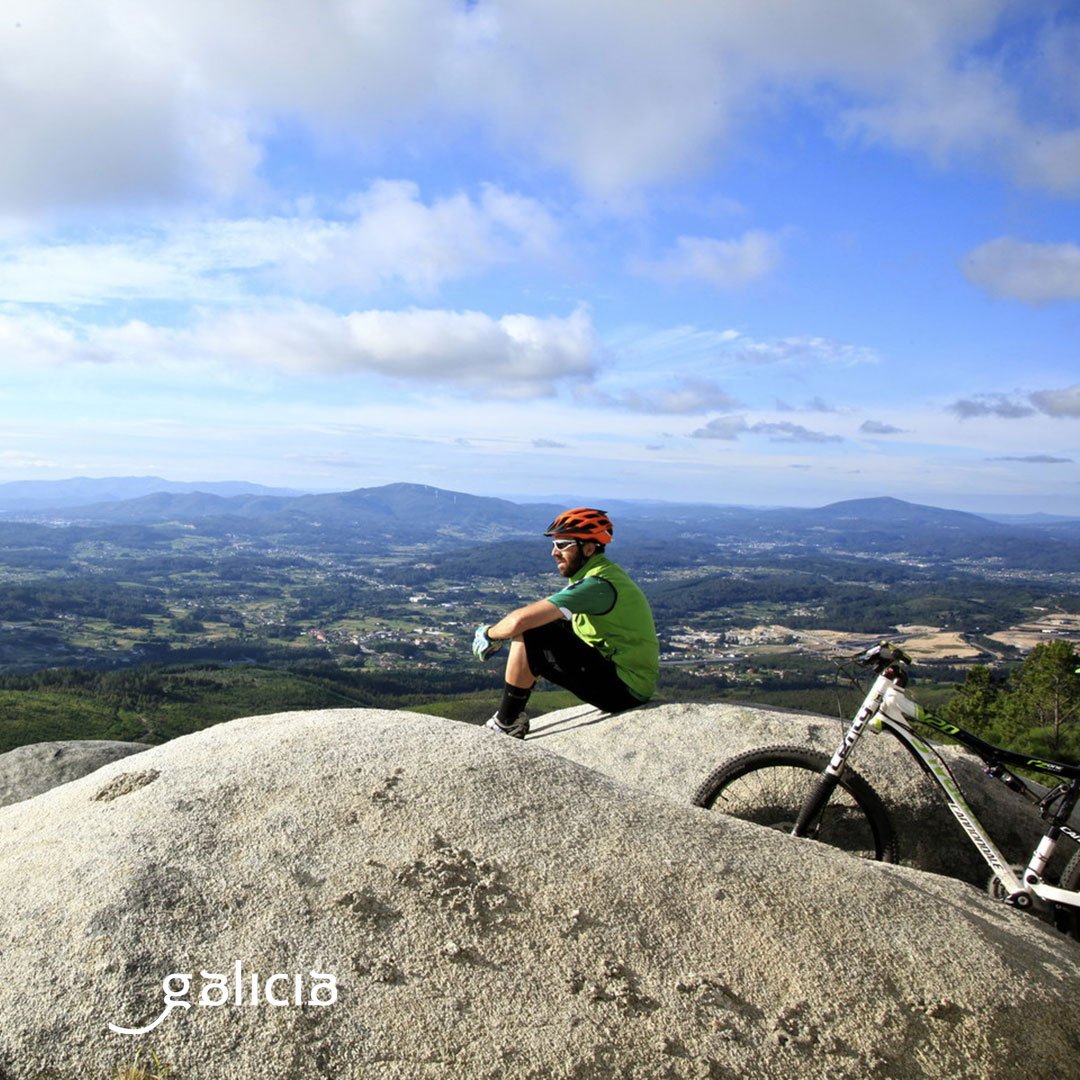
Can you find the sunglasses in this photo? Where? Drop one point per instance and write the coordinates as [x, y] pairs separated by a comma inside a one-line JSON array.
[[562, 545]]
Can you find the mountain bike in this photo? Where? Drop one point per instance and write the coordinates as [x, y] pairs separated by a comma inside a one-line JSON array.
[[811, 794]]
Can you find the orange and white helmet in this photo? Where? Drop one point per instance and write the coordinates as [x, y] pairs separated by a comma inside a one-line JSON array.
[[582, 523]]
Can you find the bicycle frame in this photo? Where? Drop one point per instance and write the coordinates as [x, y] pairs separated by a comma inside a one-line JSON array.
[[887, 707]]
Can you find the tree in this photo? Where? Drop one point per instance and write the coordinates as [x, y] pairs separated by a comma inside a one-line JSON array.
[[1037, 711], [976, 705], [1045, 698]]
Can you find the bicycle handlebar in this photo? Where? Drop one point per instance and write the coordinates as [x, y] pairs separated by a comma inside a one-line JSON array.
[[882, 657]]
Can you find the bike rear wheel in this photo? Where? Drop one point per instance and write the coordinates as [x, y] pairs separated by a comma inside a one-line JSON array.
[[772, 786], [1068, 919]]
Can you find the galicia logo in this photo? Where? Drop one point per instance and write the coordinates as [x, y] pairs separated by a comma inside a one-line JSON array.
[[239, 989]]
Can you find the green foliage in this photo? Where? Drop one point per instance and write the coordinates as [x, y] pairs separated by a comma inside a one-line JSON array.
[[44, 717], [1035, 711], [476, 708], [974, 706], [155, 703], [844, 593], [1044, 702], [48, 598], [146, 1066]]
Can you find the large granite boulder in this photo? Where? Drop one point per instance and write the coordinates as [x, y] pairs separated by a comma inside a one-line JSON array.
[[670, 749], [368, 894], [27, 771]]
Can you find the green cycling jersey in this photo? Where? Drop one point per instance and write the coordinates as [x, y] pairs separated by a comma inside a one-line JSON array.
[[609, 612]]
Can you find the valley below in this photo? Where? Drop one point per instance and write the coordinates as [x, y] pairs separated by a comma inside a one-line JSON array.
[[144, 618]]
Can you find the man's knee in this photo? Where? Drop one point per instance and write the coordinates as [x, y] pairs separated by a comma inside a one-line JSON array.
[[518, 669], [548, 632]]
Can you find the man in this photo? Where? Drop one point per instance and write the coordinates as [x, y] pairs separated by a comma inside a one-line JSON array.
[[595, 637]]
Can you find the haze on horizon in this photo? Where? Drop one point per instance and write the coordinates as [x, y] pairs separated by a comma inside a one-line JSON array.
[[755, 253]]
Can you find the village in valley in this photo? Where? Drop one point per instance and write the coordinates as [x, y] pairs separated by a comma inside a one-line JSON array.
[[380, 616]]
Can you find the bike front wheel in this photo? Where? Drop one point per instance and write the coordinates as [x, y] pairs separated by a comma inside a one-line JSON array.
[[771, 787]]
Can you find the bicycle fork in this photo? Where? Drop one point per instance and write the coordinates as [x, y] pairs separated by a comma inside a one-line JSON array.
[[819, 797]]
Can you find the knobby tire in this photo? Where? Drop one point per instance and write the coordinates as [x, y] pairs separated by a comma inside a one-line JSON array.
[[1069, 919], [778, 784]]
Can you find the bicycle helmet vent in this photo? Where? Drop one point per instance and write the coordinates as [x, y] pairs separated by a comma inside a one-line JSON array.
[[582, 523]]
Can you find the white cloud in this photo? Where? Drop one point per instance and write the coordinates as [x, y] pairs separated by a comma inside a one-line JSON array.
[[34, 341], [109, 122], [731, 427], [879, 427], [683, 397], [175, 99], [603, 89], [999, 405], [1050, 159], [18, 459], [1061, 403], [1034, 459], [110, 100], [516, 356], [1030, 272], [816, 404], [725, 264], [387, 236], [792, 433], [804, 351], [637, 93], [727, 428], [673, 347], [395, 236], [940, 112], [967, 98]]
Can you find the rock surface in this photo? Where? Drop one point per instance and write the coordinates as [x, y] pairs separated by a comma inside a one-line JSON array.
[[487, 908], [670, 749], [27, 771]]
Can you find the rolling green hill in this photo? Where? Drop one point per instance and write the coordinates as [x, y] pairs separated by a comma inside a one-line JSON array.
[[158, 703]]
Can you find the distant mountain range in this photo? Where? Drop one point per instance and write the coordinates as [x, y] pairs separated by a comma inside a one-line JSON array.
[[44, 495], [407, 505], [415, 513]]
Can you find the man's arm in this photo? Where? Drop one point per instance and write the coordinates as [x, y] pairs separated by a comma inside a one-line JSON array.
[[538, 613]]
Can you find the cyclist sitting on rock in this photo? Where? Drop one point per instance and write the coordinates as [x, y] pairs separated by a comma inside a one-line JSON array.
[[595, 637]]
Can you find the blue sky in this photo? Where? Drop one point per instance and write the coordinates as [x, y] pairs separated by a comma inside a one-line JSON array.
[[759, 251]]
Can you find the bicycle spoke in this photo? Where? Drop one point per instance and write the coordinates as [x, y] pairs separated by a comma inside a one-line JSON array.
[[770, 788]]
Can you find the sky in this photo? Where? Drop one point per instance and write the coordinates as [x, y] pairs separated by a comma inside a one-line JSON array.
[[757, 252]]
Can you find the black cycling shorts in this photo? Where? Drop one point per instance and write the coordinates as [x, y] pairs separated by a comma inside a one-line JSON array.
[[557, 654]]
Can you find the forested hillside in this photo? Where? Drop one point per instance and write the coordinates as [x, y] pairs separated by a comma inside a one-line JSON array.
[[1034, 708], [141, 619]]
